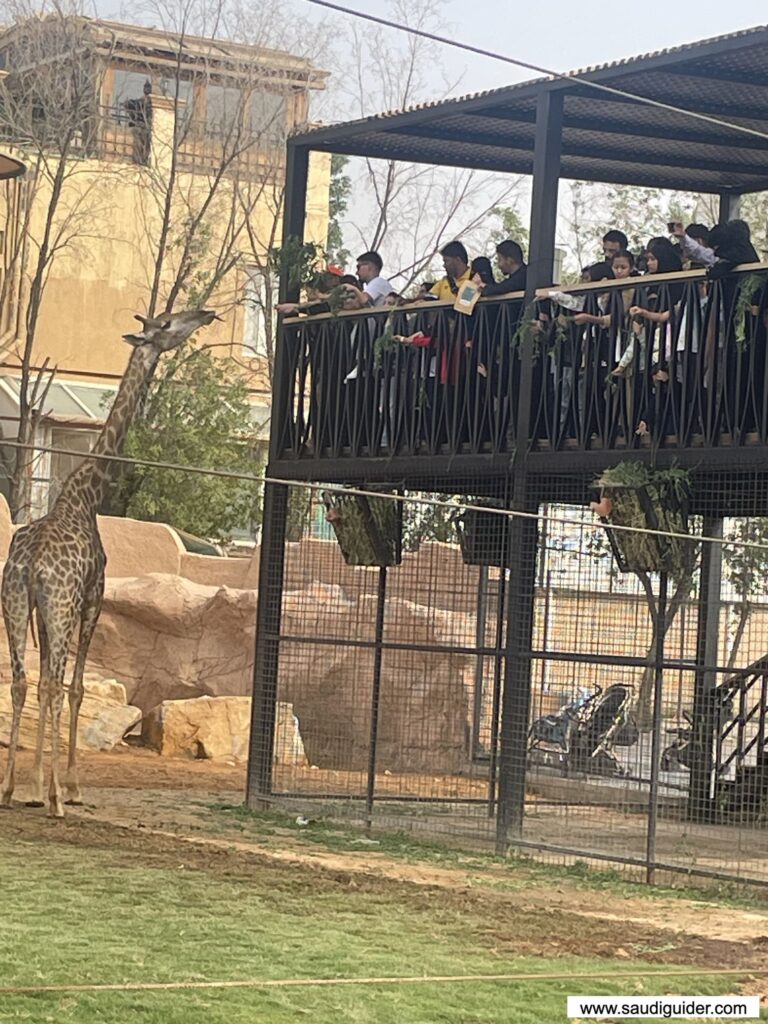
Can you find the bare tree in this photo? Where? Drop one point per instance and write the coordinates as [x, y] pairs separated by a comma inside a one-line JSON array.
[[214, 186], [410, 210], [49, 113]]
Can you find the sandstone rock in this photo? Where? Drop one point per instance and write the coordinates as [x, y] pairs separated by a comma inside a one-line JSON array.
[[424, 704], [168, 638], [104, 717], [216, 728]]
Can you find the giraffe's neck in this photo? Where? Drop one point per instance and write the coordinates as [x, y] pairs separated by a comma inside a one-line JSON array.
[[84, 490]]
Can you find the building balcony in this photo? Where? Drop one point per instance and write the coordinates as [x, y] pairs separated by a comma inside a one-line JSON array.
[[480, 392]]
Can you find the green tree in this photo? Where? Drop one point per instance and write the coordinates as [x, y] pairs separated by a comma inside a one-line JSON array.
[[510, 226], [338, 201], [746, 569], [196, 413]]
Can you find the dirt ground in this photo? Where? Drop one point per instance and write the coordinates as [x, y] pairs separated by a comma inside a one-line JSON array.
[[167, 812]]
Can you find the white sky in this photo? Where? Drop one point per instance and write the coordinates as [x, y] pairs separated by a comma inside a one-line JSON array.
[[565, 35]]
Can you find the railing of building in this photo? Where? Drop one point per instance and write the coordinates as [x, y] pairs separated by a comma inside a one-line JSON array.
[[604, 377]]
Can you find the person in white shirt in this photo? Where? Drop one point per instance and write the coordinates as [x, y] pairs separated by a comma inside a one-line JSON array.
[[376, 289]]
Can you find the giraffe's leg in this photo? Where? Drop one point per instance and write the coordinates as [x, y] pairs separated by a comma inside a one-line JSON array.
[[43, 690], [58, 612], [16, 614], [88, 621], [56, 693]]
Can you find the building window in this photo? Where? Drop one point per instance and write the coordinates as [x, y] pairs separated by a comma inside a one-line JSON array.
[[268, 117], [182, 90], [62, 465], [260, 295], [127, 96], [222, 109]]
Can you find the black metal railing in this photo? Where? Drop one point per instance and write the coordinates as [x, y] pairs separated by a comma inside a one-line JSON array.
[[354, 390], [604, 375]]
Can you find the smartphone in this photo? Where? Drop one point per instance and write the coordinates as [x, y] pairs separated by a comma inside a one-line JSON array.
[[672, 226]]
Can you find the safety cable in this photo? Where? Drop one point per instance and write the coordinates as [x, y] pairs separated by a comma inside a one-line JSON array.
[[362, 492], [565, 76], [442, 979]]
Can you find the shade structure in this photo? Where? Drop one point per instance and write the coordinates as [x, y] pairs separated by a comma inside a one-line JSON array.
[[606, 137]]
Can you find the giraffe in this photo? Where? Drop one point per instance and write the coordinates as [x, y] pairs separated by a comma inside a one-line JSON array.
[[55, 569]]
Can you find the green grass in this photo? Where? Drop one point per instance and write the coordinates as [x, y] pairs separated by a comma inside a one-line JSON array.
[[78, 915], [517, 871]]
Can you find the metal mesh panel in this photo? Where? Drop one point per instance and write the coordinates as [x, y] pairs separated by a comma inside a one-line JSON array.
[[534, 705]]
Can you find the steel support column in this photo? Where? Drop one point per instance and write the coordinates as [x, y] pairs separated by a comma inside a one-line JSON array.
[[295, 212], [728, 208], [267, 653], [707, 647], [516, 697], [523, 533], [548, 144]]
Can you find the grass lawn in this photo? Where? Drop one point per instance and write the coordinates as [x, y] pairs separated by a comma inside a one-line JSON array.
[[78, 914]]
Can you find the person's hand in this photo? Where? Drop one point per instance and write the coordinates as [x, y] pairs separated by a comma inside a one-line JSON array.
[[618, 371], [637, 328], [542, 293], [482, 369], [478, 282], [581, 318], [677, 229], [637, 311], [642, 428], [287, 307]]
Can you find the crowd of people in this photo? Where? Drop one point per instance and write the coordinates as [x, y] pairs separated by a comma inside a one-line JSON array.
[[620, 332]]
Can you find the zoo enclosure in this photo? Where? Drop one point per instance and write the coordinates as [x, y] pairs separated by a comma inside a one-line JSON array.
[[395, 683]]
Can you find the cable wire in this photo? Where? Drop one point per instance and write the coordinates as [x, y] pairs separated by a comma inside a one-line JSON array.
[[565, 76], [426, 979], [410, 499]]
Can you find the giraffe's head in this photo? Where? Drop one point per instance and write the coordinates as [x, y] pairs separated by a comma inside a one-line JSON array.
[[171, 329]]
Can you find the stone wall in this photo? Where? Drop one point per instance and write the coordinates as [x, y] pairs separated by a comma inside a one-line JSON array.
[[176, 625]]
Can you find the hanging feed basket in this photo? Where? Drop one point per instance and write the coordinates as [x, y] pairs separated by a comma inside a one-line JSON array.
[[483, 536], [369, 530], [636, 497]]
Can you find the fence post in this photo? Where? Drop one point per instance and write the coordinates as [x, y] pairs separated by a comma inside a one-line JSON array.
[[700, 802], [516, 698], [381, 604], [267, 650], [658, 693]]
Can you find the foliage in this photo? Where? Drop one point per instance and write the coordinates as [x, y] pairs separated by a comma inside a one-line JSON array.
[[298, 513], [338, 202], [384, 343], [745, 561], [193, 242], [368, 530], [510, 226], [630, 485], [425, 523], [196, 413], [296, 260], [749, 286]]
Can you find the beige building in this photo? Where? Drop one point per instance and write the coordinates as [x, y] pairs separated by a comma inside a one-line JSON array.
[[175, 136]]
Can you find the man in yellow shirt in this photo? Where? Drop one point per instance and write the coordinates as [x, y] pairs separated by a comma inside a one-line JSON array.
[[457, 272]]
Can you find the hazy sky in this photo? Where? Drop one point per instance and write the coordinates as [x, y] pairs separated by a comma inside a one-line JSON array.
[[565, 35]]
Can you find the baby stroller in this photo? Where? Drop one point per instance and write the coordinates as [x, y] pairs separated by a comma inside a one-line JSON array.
[[582, 735]]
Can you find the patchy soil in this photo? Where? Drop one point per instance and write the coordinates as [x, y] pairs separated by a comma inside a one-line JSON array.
[[139, 805]]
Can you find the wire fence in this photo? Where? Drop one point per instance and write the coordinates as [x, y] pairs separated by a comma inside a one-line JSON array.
[[545, 681], [516, 684]]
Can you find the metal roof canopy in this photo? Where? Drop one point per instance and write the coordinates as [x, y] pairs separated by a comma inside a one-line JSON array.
[[605, 137]]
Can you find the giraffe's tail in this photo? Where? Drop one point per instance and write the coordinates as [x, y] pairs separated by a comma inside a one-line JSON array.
[[32, 610]]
